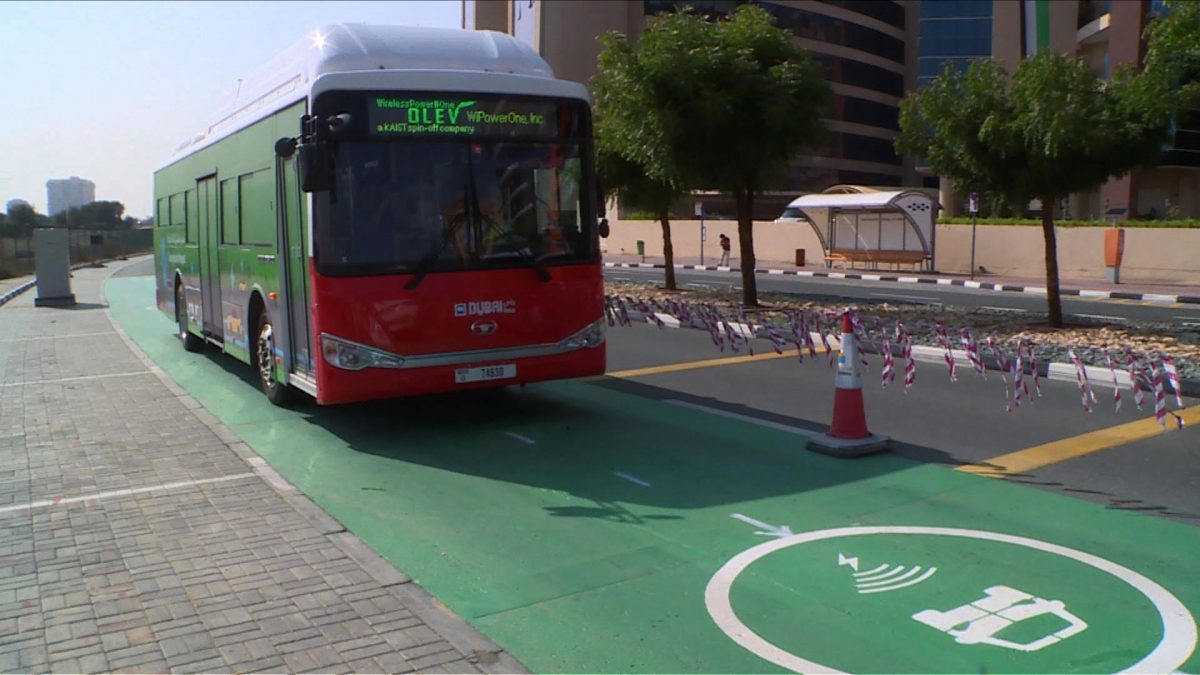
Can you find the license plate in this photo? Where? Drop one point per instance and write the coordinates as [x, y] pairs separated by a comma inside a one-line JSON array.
[[485, 373]]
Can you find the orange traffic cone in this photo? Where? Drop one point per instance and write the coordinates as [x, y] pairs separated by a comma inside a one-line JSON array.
[[848, 435]]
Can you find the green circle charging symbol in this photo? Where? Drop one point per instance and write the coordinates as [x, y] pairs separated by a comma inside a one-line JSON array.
[[1000, 606]]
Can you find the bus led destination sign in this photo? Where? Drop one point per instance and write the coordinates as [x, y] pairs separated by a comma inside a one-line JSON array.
[[412, 116]]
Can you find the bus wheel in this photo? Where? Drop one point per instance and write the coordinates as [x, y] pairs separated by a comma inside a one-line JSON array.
[[264, 360], [190, 341]]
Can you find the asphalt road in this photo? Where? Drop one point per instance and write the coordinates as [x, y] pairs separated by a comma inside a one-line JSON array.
[[931, 294], [938, 421]]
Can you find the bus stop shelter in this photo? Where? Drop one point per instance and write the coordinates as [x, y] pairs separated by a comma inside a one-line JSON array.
[[860, 225]]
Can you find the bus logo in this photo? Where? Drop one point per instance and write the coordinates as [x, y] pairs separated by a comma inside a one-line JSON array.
[[485, 307], [484, 328]]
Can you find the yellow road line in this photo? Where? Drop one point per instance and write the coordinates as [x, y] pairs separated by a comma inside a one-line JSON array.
[[1076, 446], [707, 363]]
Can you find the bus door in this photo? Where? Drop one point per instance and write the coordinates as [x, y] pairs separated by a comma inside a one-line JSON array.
[[210, 270], [293, 249]]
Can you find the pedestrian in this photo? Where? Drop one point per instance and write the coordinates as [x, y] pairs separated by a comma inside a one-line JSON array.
[[724, 250]]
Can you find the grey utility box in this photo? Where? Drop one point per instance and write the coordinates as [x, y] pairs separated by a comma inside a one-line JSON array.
[[52, 260]]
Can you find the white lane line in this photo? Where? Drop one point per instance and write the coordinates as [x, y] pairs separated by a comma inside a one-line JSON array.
[[744, 418], [75, 379], [1004, 309], [631, 479], [57, 501], [1186, 319], [906, 297], [524, 439], [1102, 317], [57, 337], [695, 285]]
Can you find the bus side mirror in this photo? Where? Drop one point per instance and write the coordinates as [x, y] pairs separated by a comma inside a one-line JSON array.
[[602, 225], [315, 167], [285, 147]]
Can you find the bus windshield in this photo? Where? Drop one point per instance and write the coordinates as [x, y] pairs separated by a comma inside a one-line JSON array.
[[454, 203]]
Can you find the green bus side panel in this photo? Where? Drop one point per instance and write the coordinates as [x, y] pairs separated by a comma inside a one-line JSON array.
[[245, 167]]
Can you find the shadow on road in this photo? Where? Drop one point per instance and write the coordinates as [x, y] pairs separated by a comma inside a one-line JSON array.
[[601, 442]]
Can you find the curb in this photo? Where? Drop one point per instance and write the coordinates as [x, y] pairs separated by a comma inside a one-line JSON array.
[[33, 282], [939, 281], [17, 291], [1097, 376]]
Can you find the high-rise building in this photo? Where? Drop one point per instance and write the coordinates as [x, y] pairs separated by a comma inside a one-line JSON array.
[[14, 203], [874, 51], [63, 194]]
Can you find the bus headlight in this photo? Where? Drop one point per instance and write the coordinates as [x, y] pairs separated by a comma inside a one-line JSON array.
[[592, 336], [349, 355]]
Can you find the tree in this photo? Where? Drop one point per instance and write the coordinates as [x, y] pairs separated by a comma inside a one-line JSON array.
[[718, 105], [1173, 51], [22, 220], [626, 180], [1051, 129], [102, 215], [620, 161]]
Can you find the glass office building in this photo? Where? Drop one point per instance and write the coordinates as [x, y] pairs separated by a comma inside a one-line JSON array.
[[952, 32]]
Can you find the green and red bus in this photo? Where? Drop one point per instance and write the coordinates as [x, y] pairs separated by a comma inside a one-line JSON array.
[[386, 211]]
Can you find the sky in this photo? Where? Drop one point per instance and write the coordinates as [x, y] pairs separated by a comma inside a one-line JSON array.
[[106, 90]]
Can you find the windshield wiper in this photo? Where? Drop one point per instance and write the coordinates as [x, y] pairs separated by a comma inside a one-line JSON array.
[[426, 262]]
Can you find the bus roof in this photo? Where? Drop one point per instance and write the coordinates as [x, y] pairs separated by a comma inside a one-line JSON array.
[[362, 48]]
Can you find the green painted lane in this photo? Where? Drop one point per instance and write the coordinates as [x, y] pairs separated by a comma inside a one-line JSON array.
[[587, 530]]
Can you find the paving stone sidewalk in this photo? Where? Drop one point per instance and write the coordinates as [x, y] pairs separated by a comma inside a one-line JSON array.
[[137, 534]]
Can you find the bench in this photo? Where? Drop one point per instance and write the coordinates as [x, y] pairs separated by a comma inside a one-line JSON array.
[[847, 256]]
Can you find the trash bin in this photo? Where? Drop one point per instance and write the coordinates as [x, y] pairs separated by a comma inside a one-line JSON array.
[[799, 257]]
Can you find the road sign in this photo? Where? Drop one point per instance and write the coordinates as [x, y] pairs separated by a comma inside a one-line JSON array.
[[946, 600], [973, 203], [699, 206]]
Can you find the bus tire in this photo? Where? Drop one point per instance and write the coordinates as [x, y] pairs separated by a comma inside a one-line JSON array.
[[277, 392], [191, 342]]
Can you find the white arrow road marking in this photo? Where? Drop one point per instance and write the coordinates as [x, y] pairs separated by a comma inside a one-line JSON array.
[[767, 530], [524, 439], [631, 479]]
